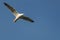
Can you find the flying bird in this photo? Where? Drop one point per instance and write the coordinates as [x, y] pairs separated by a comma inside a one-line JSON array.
[[17, 14]]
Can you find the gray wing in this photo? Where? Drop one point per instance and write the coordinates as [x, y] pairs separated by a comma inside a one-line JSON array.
[[11, 8], [27, 18]]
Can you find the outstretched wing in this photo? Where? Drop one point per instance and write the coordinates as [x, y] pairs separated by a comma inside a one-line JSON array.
[[11, 8], [27, 18]]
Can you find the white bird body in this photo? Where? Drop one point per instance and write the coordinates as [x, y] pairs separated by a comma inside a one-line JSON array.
[[16, 14], [17, 17]]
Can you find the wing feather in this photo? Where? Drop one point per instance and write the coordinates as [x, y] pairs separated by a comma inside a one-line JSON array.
[[27, 18], [11, 8]]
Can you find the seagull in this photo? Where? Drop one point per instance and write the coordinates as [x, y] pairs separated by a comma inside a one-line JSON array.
[[17, 14]]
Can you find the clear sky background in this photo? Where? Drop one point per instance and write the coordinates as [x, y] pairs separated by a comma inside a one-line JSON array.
[[45, 13]]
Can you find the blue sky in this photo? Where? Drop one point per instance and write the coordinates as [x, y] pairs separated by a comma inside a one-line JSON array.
[[45, 13]]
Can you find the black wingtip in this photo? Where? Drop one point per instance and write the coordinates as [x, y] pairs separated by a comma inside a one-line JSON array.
[[32, 21], [5, 3]]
